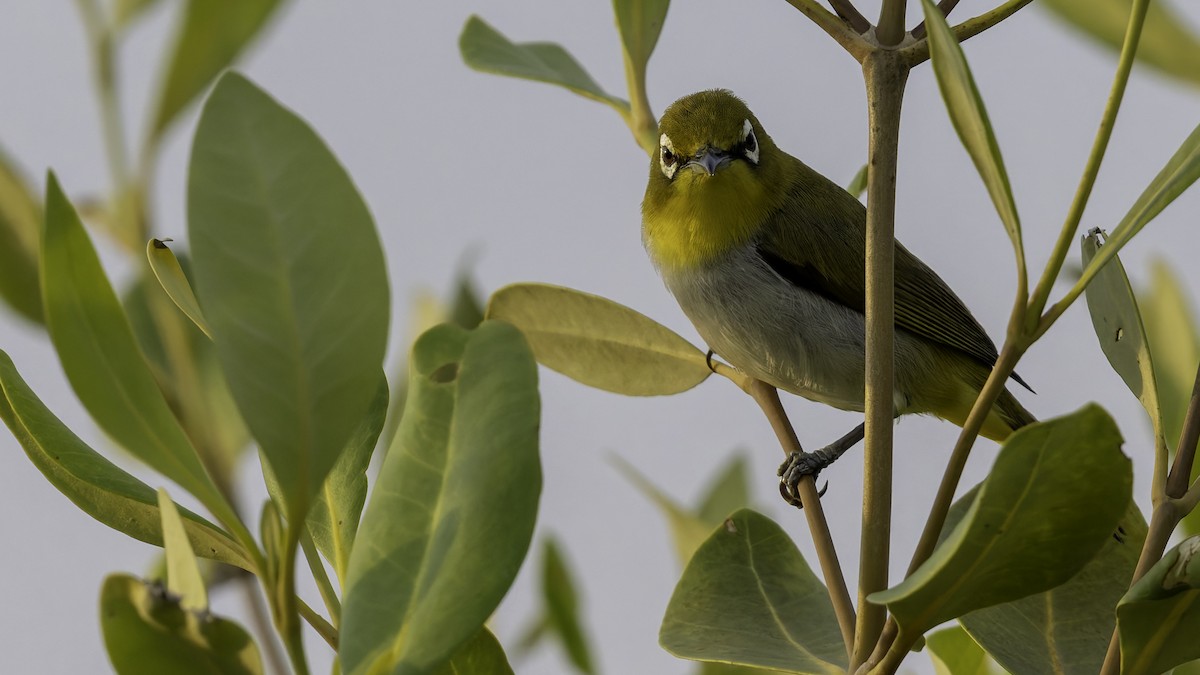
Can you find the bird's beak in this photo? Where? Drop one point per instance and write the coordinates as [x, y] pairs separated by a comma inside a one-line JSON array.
[[709, 160]]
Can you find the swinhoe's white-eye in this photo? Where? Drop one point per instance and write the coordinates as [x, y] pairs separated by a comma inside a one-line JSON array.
[[767, 258]]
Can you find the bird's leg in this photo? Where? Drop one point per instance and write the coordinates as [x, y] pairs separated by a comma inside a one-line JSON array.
[[801, 464]]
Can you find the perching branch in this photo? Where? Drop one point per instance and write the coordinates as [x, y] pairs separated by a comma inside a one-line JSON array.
[[839, 30], [945, 7], [919, 52], [851, 15], [890, 30]]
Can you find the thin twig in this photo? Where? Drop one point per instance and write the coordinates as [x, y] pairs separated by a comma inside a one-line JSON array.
[[839, 30], [321, 577], [768, 399], [1185, 453], [919, 52], [851, 15], [885, 75], [945, 7], [319, 624]]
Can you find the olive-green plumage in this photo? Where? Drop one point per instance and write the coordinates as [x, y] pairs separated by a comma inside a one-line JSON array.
[[766, 257]]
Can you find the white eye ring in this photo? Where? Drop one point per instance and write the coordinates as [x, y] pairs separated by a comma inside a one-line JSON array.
[[750, 142], [668, 161]]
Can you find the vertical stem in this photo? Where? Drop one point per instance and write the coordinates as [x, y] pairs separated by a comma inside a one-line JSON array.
[[885, 76], [891, 23], [287, 613], [768, 399]]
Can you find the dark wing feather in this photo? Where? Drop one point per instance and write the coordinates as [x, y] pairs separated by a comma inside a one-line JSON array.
[[802, 252]]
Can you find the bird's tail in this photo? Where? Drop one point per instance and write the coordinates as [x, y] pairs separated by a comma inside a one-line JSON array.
[[1012, 412]]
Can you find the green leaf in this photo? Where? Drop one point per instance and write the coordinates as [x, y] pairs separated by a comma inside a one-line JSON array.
[[483, 48], [333, 520], [953, 652], [598, 342], [747, 597], [289, 270], [562, 607], [147, 632], [174, 282], [858, 184], [1166, 43], [688, 530], [94, 484], [1033, 526], [640, 22], [1065, 630], [101, 358], [184, 580], [1159, 617], [481, 655], [20, 229], [970, 120], [213, 33], [1178, 175], [1118, 326], [452, 512]]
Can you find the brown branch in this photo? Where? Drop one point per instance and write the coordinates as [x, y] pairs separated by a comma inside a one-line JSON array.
[[851, 15], [890, 30], [919, 52], [945, 7], [835, 26]]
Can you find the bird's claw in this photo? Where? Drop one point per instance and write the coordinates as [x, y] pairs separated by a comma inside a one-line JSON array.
[[794, 469]]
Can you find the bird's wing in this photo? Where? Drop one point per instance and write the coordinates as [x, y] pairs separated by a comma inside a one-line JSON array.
[[803, 254]]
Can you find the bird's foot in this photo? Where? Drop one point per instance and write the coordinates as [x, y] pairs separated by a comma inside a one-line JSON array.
[[796, 467]]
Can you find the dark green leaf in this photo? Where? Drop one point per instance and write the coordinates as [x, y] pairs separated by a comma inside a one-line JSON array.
[[333, 520], [147, 632], [1159, 617], [562, 607], [970, 119], [598, 342], [452, 512], [101, 358], [481, 655], [289, 270], [1118, 326], [212, 35], [747, 597], [1166, 42], [20, 228], [1065, 630], [1033, 525], [486, 50], [95, 485]]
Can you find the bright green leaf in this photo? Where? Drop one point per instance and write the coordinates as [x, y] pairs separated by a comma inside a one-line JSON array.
[[213, 33], [147, 632], [451, 515], [747, 597], [1065, 630], [486, 50], [1118, 326], [333, 520], [1173, 328], [174, 282], [598, 342], [20, 228], [970, 119], [1033, 525], [481, 655], [101, 358], [290, 272], [562, 607], [1159, 617], [858, 184], [94, 484], [640, 22], [184, 580], [953, 652], [1166, 42]]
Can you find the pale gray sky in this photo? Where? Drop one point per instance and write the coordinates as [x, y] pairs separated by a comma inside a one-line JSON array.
[[546, 186]]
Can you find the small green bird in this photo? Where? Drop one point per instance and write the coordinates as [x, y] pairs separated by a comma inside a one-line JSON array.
[[767, 258]]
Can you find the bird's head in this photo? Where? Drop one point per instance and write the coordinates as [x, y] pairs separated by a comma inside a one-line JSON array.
[[715, 178]]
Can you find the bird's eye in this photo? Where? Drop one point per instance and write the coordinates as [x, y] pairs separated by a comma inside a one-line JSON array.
[[668, 161], [749, 145]]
